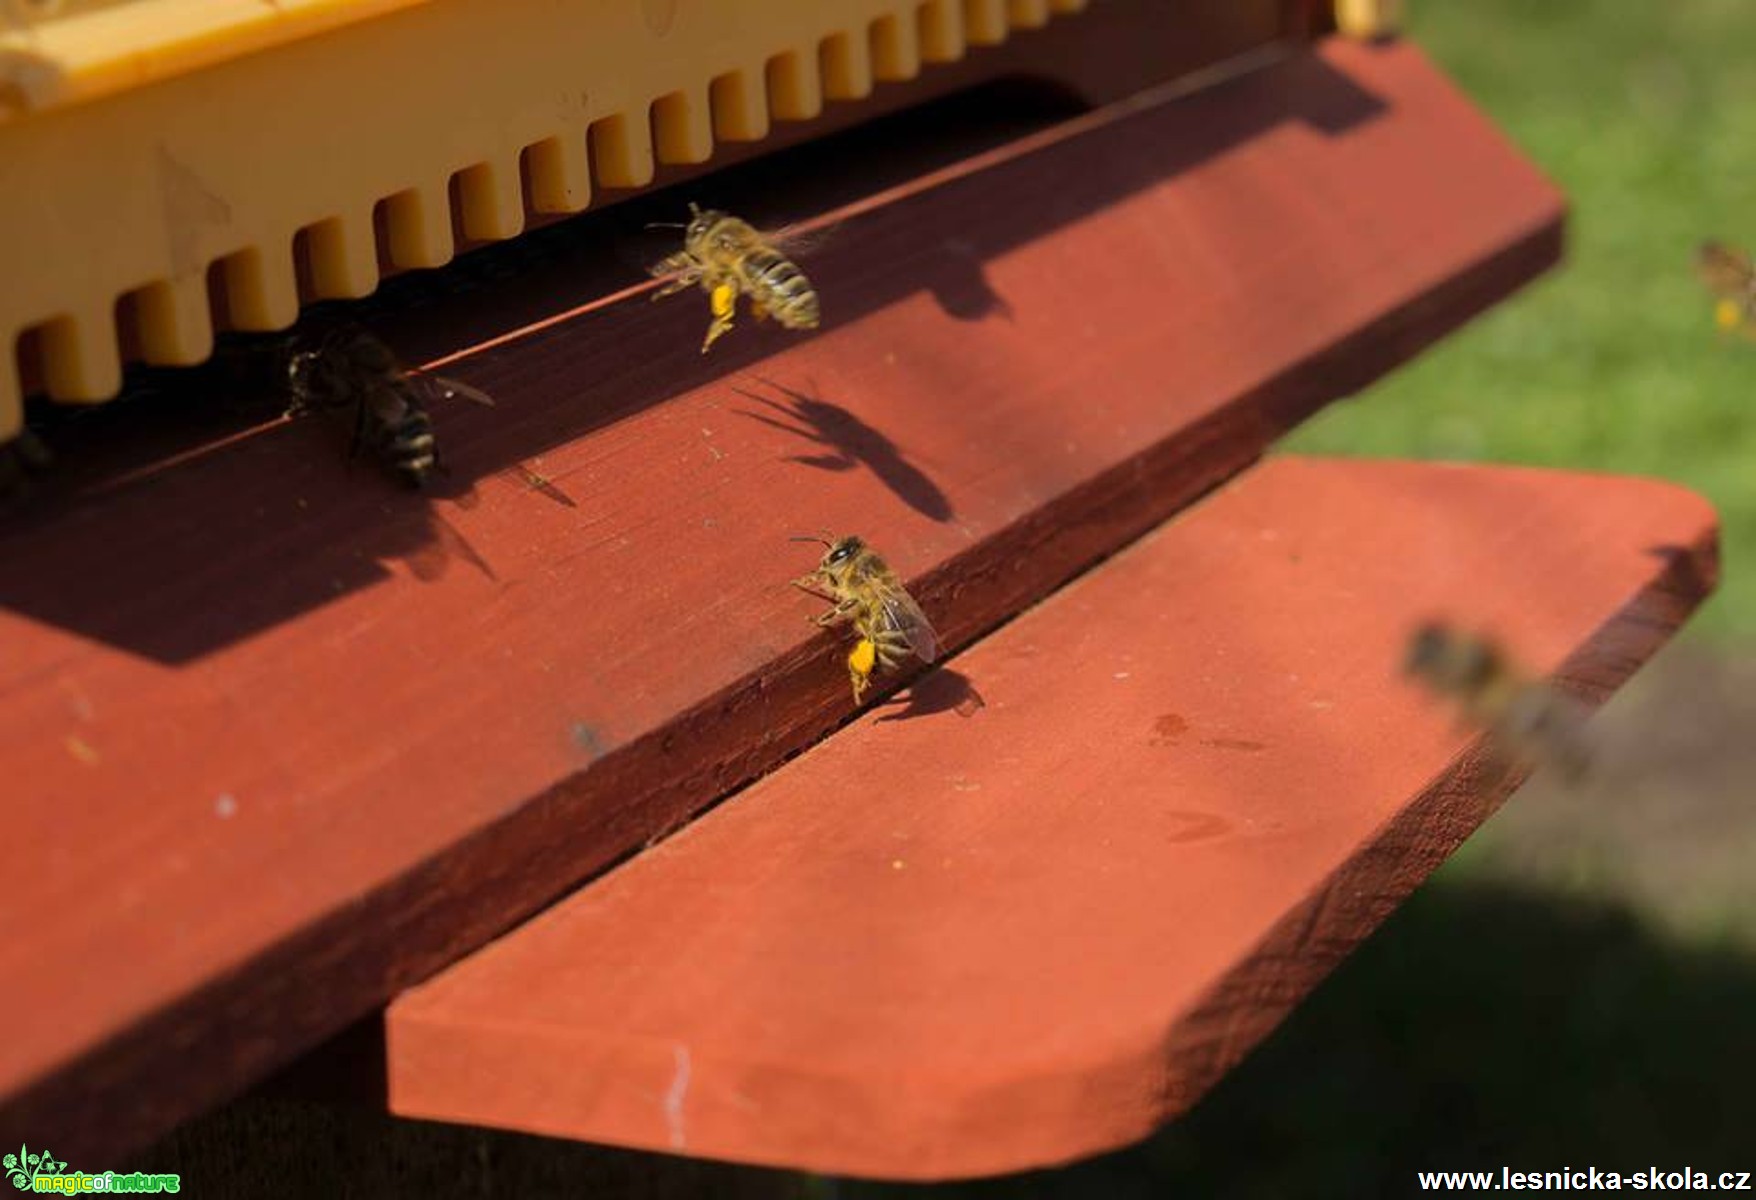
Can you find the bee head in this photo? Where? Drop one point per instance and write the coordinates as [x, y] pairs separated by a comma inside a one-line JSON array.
[[700, 221], [1426, 649], [312, 369], [1450, 660], [299, 366], [841, 552]]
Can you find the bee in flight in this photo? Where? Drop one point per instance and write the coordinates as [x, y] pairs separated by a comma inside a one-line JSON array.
[[351, 367], [865, 592], [1729, 275], [1529, 721], [728, 258]]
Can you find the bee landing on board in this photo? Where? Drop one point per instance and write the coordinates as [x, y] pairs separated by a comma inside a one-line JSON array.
[[1529, 722], [350, 367], [1730, 276], [728, 258], [865, 592]]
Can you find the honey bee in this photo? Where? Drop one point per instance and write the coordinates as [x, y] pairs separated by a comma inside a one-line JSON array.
[[1729, 275], [729, 257], [865, 592], [1529, 721], [351, 367]]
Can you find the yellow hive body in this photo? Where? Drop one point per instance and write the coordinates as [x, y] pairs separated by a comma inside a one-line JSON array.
[[162, 162]]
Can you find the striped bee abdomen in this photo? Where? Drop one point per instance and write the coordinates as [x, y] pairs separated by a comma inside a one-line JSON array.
[[776, 283], [410, 448]]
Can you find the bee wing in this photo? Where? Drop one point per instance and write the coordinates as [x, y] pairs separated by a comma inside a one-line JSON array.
[[1548, 727], [800, 241], [446, 388], [433, 558], [535, 482], [671, 266], [1726, 271], [901, 613]]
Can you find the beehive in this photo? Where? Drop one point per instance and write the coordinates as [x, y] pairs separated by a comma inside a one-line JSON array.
[[173, 167], [301, 770]]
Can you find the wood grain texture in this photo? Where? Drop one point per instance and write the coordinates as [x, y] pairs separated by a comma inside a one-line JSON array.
[[283, 741], [947, 943]]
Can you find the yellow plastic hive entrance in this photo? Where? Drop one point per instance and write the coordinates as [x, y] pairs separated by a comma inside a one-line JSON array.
[[166, 165]]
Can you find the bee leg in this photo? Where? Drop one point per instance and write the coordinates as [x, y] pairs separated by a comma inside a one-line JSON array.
[[844, 610], [686, 280], [715, 332], [723, 300], [811, 584], [758, 309], [861, 660], [680, 270]]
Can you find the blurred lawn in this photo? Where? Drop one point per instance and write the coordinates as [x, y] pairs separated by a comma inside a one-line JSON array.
[[1645, 114]]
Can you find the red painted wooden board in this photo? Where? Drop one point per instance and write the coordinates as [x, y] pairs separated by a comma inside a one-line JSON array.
[[270, 760], [944, 944]]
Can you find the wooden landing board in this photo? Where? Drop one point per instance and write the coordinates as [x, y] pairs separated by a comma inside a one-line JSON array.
[[946, 944], [281, 740]]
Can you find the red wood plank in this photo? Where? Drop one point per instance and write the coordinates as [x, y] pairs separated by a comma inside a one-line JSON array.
[[277, 775], [935, 946]]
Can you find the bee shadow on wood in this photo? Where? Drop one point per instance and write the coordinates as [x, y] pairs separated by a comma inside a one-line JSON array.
[[942, 690], [962, 288], [432, 543], [849, 443]]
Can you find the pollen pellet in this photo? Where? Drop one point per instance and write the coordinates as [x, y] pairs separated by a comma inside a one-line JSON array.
[[863, 657], [1728, 314], [722, 299]]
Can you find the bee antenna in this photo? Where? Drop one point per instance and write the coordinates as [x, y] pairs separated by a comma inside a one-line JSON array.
[[666, 225], [809, 537]]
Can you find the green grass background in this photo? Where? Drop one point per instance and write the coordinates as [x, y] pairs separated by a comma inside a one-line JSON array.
[[1644, 112]]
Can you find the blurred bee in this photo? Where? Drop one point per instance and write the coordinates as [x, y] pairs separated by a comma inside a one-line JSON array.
[[351, 367], [729, 257], [1729, 275], [1529, 721], [866, 593]]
